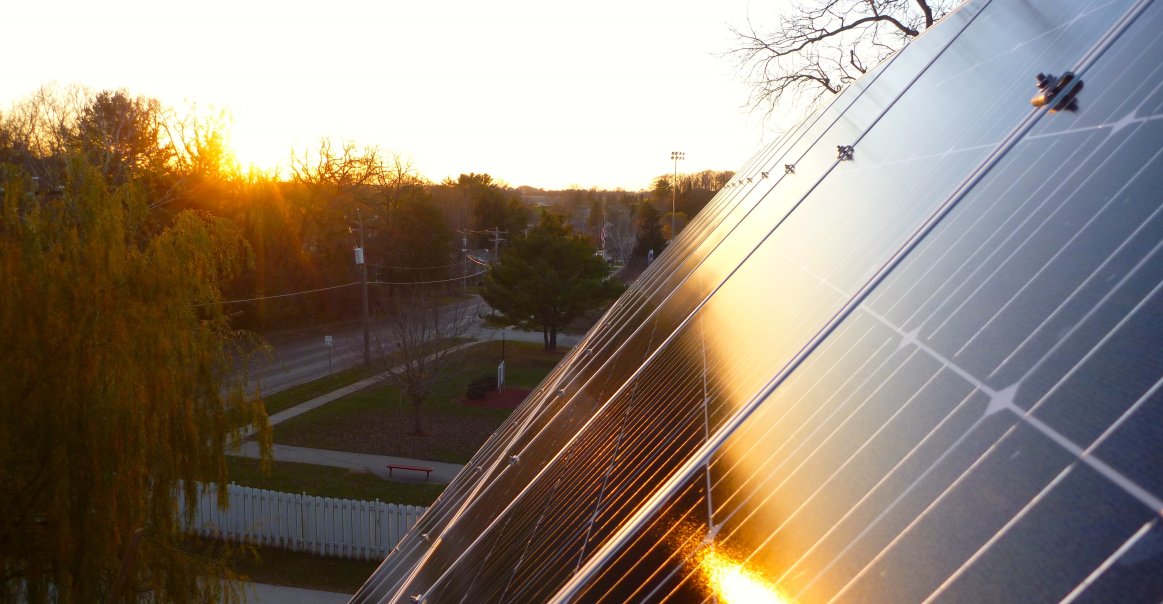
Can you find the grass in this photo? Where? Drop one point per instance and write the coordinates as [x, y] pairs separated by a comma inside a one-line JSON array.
[[302, 393], [379, 420], [307, 571], [325, 481]]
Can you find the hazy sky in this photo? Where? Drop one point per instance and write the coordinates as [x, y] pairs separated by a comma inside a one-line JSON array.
[[535, 92]]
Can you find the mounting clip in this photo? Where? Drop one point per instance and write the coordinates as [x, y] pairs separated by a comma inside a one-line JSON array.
[[763, 174], [844, 152], [789, 168], [1058, 92]]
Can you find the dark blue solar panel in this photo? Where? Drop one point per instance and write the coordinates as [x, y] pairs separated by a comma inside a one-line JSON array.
[[928, 372]]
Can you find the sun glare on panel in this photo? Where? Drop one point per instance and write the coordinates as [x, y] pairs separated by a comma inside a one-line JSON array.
[[733, 583]]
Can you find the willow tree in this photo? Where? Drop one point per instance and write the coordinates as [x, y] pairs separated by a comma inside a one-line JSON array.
[[115, 388]]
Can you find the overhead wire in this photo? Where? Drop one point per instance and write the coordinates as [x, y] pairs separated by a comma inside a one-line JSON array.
[[309, 291]]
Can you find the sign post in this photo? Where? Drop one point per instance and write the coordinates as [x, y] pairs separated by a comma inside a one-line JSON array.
[[327, 342]]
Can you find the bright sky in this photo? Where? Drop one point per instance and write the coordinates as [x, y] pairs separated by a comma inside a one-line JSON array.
[[533, 92]]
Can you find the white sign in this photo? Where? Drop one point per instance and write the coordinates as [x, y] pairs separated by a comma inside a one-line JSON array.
[[327, 341]]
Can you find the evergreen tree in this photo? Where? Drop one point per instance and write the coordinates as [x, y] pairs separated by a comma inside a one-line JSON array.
[[548, 279], [649, 230]]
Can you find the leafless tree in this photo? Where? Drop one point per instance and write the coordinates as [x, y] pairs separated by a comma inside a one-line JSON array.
[[819, 46], [621, 236], [422, 340]]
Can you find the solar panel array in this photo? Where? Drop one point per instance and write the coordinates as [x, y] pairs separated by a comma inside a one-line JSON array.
[[912, 352]]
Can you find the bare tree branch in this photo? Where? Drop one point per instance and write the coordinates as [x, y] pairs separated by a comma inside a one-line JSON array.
[[819, 47]]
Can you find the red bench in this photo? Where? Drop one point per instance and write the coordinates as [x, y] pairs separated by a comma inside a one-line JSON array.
[[427, 471]]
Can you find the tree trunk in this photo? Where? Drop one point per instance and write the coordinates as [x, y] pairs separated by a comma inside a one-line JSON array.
[[417, 429], [545, 337], [552, 339]]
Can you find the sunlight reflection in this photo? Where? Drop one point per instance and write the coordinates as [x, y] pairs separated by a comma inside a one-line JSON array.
[[733, 583]]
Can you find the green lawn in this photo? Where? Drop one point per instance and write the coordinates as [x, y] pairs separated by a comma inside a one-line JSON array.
[[301, 393], [325, 481], [380, 421], [307, 571]]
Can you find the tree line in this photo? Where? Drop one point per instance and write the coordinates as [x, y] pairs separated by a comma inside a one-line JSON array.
[[128, 232]]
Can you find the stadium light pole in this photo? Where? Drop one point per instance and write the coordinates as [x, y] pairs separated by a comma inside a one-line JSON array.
[[674, 155]]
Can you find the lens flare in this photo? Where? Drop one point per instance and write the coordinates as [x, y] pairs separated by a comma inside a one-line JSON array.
[[734, 583]]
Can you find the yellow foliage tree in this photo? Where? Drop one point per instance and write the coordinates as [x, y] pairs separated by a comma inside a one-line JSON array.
[[117, 385]]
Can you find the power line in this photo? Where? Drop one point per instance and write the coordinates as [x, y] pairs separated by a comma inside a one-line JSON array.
[[414, 268], [310, 291], [423, 282]]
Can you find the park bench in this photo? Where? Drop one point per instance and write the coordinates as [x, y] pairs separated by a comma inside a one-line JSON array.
[[427, 471]]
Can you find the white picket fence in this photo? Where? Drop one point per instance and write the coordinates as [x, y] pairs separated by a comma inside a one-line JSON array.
[[345, 528]]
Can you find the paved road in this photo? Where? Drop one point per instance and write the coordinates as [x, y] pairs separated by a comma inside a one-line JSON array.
[[301, 356]]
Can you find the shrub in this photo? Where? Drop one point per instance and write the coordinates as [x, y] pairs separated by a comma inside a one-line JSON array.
[[479, 387]]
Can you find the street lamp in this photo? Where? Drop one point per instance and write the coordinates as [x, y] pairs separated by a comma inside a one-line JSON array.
[[674, 155]]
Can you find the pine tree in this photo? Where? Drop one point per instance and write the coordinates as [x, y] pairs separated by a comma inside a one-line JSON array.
[[548, 279]]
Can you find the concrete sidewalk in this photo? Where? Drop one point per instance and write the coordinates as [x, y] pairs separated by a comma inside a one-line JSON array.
[[442, 473], [319, 401]]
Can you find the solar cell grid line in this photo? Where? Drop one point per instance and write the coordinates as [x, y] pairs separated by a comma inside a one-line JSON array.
[[918, 517], [1082, 455], [1110, 561], [1090, 313], [1089, 280], [912, 454], [773, 422], [477, 488], [671, 536], [1006, 253], [856, 167], [957, 236], [1128, 275], [777, 472], [1154, 503], [1002, 400], [706, 421], [1063, 248], [682, 442], [549, 501], [767, 494], [1076, 165], [1008, 142], [539, 578], [574, 515], [1001, 248], [675, 536]]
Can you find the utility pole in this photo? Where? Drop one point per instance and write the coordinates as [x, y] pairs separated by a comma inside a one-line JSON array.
[[497, 239], [367, 357], [464, 252], [675, 155]]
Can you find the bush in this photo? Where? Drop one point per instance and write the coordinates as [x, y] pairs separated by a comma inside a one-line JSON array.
[[478, 388]]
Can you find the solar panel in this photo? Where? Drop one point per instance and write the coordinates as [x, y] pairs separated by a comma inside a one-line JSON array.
[[927, 371]]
